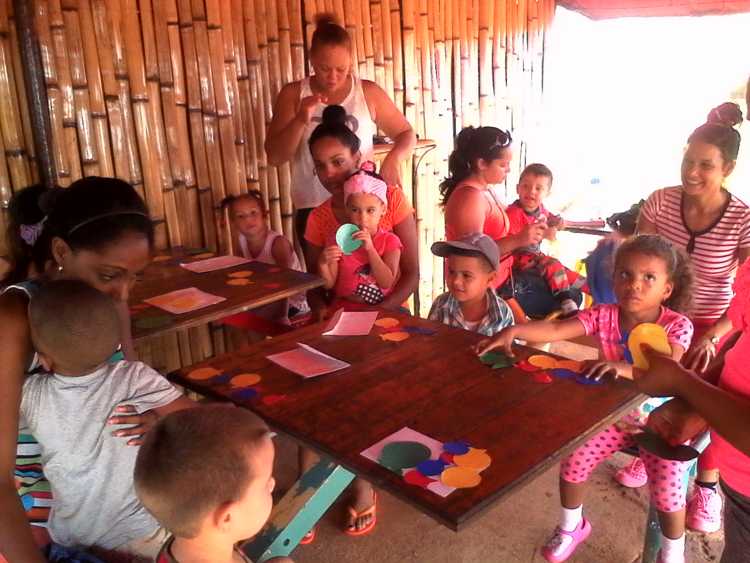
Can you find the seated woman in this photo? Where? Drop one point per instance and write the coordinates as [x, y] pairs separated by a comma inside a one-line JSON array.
[[335, 151], [481, 159]]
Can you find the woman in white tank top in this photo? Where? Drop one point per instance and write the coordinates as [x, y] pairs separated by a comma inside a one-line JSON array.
[[300, 104]]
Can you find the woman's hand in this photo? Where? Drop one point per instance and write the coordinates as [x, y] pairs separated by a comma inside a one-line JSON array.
[[676, 422], [366, 238], [596, 369], [142, 423], [331, 255], [503, 339], [307, 107], [700, 355], [663, 376], [390, 170]]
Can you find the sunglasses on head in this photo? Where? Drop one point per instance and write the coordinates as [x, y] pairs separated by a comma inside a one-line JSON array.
[[503, 141]]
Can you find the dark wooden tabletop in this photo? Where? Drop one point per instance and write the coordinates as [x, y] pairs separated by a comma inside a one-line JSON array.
[[269, 284], [603, 232], [433, 384]]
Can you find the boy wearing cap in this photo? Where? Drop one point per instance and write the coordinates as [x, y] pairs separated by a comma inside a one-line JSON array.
[[470, 302], [369, 273]]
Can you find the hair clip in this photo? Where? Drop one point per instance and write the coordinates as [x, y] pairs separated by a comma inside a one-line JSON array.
[[30, 233]]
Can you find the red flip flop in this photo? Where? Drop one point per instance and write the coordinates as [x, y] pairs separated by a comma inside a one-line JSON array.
[[308, 538], [351, 530]]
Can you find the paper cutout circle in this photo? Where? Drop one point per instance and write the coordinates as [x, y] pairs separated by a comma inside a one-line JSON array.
[[203, 255], [271, 400], [387, 322], [238, 281], [203, 373], [272, 285], [460, 477], [524, 365], [541, 377], [456, 448], [414, 477], [475, 459], [447, 458], [430, 467], [344, 238], [563, 373], [395, 336], [571, 365], [221, 379], [241, 274], [245, 394], [162, 258], [543, 362], [647, 333], [245, 380], [583, 380], [402, 455]]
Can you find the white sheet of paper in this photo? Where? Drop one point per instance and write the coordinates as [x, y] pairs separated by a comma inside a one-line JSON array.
[[351, 323], [307, 361], [184, 300], [215, 263], [407, 434]]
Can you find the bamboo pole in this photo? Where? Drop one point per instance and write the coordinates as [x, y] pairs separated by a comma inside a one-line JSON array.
[[374, 9]]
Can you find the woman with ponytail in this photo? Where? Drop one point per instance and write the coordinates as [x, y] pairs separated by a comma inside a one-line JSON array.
[[300, 105], [481, 158], [713, 226]]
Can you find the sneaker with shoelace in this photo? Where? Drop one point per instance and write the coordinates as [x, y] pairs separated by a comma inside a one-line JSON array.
[[633, 475], [562, 544], [704, 510]]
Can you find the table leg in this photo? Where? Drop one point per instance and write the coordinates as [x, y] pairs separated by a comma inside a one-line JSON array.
[[299, 510]]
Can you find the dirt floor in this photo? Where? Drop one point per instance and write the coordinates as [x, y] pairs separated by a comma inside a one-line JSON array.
[[511, 531]]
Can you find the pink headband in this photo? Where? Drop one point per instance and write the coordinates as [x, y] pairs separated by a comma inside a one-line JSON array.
[[363, 183]]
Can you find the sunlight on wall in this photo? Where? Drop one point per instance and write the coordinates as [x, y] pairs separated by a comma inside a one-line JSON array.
[[621, 98]]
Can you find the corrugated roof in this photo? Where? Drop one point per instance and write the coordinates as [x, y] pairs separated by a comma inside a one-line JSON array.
[[603, 9]]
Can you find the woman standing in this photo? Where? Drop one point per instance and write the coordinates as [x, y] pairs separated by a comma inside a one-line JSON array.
[[713, 227], [300, 105]]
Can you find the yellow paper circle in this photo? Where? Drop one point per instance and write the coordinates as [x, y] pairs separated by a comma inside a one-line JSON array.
[[475, 459], [647, 333], [245, 380], [203, 373], [238, 281], [460, 477], [387, 322], [241, 274], [394, 336], [543, 362]]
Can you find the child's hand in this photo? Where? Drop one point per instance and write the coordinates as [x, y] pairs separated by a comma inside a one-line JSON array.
[[307, 107], [331, 255], [663, 376], [533, 234], [142, 423], [366, 239], [503, 339], [596, 369]]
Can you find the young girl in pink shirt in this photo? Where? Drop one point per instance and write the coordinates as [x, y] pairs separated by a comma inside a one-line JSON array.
[[651, 280]]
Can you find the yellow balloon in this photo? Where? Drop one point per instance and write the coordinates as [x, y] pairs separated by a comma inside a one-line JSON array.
[[647, 333]]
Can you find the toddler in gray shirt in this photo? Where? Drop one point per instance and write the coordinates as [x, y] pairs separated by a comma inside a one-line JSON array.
[[74, 329]]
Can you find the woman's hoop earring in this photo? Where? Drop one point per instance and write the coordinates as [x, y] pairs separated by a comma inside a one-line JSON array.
[[59, 269]]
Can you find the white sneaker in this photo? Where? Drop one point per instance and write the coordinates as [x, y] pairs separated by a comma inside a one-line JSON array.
[[704, 510]]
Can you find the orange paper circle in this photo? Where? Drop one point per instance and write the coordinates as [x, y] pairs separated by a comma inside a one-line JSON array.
[[245, 380], [475, 459], [160, 258], [241, 274], [203, 373], [647, 333], [203, 255], [387, 322], [239, 281], [394, 336], [460, 477], [543, 362]]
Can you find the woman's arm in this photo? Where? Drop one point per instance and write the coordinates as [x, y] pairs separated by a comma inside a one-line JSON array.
[[535, 331], [16, 542], [315, 297], [393, 123], [328, 265], [408, 279], [290, 117]]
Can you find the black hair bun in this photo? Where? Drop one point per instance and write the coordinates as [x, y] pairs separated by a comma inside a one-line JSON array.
[[334, 115], [728, 114], [324, 18]]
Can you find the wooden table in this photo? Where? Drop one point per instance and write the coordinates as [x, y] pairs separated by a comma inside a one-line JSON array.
[[435, 385], [603, 232], [270, 284]]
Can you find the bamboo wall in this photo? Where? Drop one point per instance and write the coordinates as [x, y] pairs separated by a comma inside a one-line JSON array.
[[174, 97]]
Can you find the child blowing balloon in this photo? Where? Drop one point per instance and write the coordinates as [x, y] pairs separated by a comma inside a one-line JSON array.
[[651, 279], [366, 275]]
